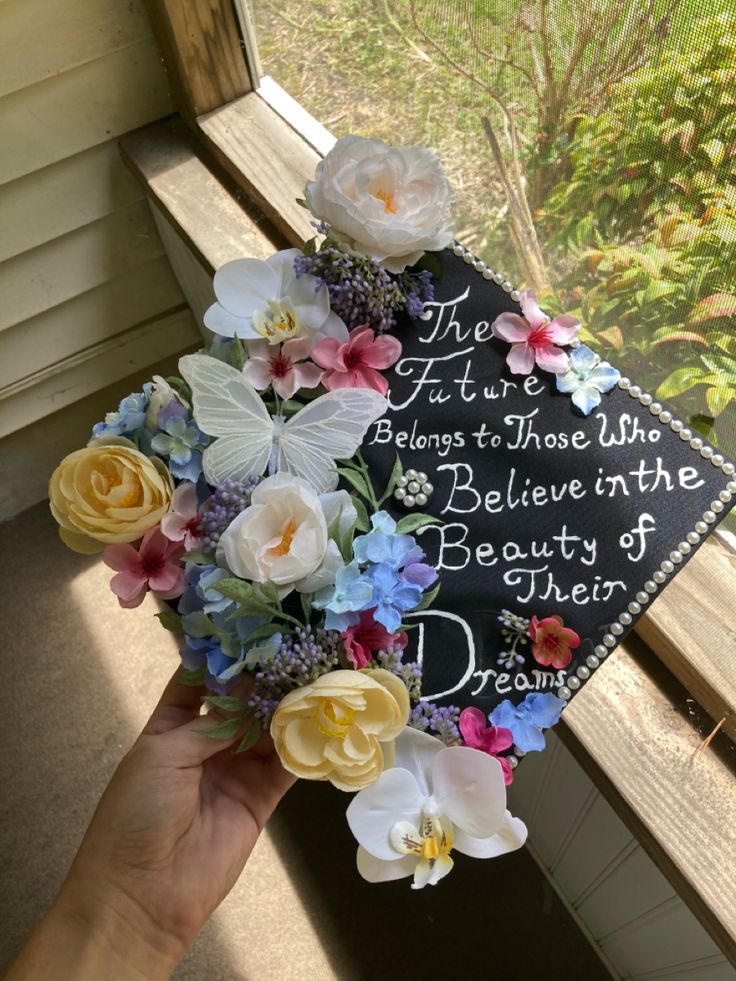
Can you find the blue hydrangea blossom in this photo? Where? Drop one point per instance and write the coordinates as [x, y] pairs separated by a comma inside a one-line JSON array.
[[587, 379], [539, 710]]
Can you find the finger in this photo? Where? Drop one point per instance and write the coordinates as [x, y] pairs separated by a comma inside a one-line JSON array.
[[178, 704], [190, 746]]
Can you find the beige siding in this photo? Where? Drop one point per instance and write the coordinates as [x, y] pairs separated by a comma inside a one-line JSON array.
[[88, 293]]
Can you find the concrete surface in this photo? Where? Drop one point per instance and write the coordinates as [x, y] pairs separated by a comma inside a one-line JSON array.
[[80, 678]]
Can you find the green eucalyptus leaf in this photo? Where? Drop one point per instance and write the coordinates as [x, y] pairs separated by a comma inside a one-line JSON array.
[[411, 522], [222, 730], [228, 703], [250, 738], [170, 620], [428, 599]]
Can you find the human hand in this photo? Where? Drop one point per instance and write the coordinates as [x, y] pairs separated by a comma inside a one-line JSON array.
[[168, 840]]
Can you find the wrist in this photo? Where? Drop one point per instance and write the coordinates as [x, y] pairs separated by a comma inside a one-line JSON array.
[[109, 930]]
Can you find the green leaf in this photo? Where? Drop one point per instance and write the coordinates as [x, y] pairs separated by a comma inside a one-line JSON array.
[[715, 151], [718, 399], [428, 599], [223, 730], [170, 620], [182, 389], [396, 472], [355, 480], [263, 633], [235, 589], [228, 703], [270, 592], [411, 522], [191, 678], [363, 523], [710, 307], [310, 246], [306, 601], [238, 355], [250, 737], [679, 381]]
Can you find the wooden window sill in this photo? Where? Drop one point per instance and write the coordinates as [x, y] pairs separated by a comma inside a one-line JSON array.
[[630, 726]]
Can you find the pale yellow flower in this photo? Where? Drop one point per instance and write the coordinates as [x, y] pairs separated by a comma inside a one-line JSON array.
[[341, 727], [108, 492]]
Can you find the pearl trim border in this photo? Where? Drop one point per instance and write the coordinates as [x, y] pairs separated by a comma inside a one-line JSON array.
[[693, 538]]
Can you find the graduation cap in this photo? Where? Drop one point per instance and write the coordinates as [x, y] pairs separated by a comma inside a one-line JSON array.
[[548, 520]]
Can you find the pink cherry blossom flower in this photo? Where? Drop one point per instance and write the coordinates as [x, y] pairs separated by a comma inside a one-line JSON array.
[[181, 524], [154, 566], [534, 338], [367, 636], [285, 366], [355, 363], [488, 739], [552, 641]]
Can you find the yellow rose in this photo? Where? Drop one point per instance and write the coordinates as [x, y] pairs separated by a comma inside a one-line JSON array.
[[339, 727], [108, 492]]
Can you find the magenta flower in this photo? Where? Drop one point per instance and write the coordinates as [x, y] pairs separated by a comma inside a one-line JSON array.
[[285, 366], [488, 739], [357, 362], [181, 524], [534, 338], [154, 566], [365, 637]]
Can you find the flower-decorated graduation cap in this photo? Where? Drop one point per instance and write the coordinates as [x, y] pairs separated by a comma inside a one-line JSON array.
[[398, 513]]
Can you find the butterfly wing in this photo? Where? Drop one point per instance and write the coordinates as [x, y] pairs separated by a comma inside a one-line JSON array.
[[328, 429], [227, 407]]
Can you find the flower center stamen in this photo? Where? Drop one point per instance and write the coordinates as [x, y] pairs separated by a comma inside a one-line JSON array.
[[388, 201], [333, 725], [287, 536], [277, 322]]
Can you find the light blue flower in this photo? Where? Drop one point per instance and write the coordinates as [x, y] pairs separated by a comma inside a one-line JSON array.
[[178, 442], [587, 378], [202, 592], [352, 592], [383, 544], [128, 420], [538, 711], [392, 597], [226, 656]]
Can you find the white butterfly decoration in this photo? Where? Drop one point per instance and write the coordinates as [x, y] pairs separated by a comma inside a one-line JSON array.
[[249, 440]]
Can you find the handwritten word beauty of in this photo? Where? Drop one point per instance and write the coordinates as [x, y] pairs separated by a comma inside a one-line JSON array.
[[504, 462]]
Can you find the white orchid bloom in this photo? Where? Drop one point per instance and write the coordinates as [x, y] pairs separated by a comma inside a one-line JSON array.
[[434, 799], [259, 300]]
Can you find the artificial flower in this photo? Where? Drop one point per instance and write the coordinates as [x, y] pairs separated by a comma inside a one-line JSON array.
[[389, 203], [534, 338], [488, 739], [355, 363], [229, 497], [108, 492], [202, 593], [351, 592], [552, 641], [341, 726], [434, 800], [266, 300], [391, 595], [367, 636], [181, 524], [587, 379], [225, 656], [382, 543], [284, 367], [539, 710], [153, 566], [282, 537], [160, 395], [179, 441], [129, 418]]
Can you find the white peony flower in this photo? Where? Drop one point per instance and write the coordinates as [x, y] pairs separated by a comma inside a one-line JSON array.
[[389, 203], [434, 799], [283, 536], [258, 299]]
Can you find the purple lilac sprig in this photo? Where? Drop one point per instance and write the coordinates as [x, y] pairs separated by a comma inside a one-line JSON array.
[[515, 632], [229, 498], [439, 720], [411, 673], [301, 658], [362, 291]]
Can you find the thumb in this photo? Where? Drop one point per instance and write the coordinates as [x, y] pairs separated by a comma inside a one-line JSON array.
[[199, 739]]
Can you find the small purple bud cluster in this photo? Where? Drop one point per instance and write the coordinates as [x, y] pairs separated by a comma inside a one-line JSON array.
[[410, 674], [440, 721], [515, 631], [362, 291], [228, 499], [302, 657]]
